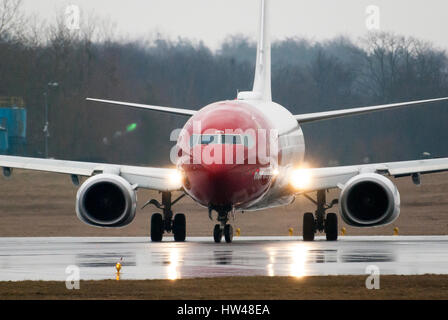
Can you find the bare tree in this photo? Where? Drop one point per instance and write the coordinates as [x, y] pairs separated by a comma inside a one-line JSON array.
[[11, 18]]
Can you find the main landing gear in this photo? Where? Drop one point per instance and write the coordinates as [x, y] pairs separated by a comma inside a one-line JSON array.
[[161, 223], [320, 221], [222, 228]]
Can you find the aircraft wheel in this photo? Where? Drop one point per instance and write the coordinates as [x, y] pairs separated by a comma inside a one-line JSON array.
[[228, 233], [156, 227], [217, 233], [309, 227], [331, 227], [179, 227]]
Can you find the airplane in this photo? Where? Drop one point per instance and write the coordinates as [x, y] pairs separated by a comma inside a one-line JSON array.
[[234, 176]]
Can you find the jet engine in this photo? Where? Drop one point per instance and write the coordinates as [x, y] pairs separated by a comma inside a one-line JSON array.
[[106, 200], [369, 200]]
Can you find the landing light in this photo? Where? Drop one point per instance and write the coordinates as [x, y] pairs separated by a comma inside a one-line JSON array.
[[176, 177], [300, 179]]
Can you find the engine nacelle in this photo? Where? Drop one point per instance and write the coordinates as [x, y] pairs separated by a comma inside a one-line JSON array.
[[369, 200], [106, 200]]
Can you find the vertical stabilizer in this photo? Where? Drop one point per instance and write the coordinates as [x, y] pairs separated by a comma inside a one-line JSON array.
[[262, 82]]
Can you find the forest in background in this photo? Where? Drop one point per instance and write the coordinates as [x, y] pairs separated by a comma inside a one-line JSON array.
[[308, 76]]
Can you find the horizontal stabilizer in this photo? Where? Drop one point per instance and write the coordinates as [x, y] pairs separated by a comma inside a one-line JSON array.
[[326, 115], [178, 111]]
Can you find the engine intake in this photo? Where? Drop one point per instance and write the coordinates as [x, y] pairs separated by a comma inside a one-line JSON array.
[[106, 200], [369, 200]]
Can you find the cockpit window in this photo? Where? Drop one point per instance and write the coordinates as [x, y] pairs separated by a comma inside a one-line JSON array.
[[248, 141], [231, 139], [235, 139], [209, 139]]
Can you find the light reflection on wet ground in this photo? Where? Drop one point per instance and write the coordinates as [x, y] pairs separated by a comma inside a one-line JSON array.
[[47, 258]]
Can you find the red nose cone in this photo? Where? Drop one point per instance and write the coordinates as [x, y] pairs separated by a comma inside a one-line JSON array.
[[225, 185]]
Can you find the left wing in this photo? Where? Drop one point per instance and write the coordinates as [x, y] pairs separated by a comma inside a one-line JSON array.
[[336, 177], [326, 115], [160, 179]]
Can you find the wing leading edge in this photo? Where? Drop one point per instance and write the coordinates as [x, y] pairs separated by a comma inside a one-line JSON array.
[[326, 115], [337, 177], [160, 179]]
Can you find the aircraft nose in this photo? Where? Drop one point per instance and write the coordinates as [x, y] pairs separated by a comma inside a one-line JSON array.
[[218, 171], [217, 183], [223, 184]]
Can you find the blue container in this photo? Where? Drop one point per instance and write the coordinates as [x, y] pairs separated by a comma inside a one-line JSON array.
[[14, 120], [4, 145], [12, 130]]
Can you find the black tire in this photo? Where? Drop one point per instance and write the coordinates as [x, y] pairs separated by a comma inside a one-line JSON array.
[[331, 227], [217, 233], [156, 227], [179, 227], [309, 227], [228, 233]]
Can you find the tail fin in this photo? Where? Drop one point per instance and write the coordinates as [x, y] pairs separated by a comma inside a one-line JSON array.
[[262, 81]]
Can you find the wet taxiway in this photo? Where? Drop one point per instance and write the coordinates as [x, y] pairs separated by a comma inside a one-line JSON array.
[[48, 258]]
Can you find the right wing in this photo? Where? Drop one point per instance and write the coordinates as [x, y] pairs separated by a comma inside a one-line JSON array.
[[160, 179], [178, 111], [326, 115], [336, 177]]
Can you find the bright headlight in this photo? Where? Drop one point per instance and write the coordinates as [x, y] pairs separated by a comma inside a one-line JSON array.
[[176, 177], [300, 179]]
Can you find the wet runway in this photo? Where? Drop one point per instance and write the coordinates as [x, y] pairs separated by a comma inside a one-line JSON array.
[[48, 258]]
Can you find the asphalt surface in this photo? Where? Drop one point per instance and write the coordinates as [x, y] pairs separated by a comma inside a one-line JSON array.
[[48, 258]]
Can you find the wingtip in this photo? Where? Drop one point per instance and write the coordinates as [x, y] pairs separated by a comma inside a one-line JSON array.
[[95, 100]]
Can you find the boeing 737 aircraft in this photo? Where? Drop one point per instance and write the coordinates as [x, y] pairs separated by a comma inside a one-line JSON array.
[[240, 155]]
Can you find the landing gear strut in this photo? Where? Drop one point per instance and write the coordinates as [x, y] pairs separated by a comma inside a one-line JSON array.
[[161, 223], [222, 228], [320, 221]]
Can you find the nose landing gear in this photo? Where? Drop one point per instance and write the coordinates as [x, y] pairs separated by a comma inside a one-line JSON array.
[[320, 221], [222, 228]]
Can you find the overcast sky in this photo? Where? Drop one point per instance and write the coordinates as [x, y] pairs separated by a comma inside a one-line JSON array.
[[212, 20]]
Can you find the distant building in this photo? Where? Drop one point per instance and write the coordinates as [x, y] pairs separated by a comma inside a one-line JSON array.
[[12, 126]]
